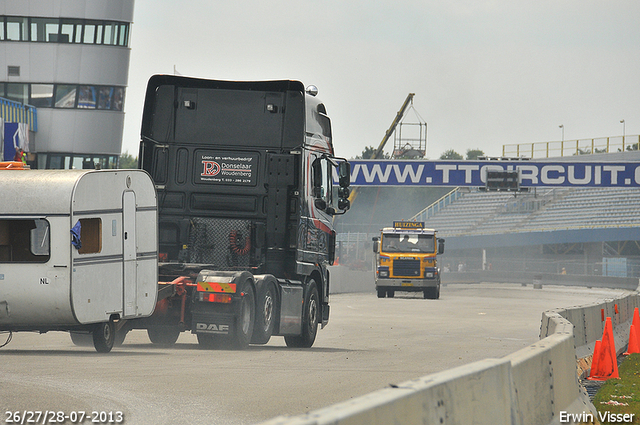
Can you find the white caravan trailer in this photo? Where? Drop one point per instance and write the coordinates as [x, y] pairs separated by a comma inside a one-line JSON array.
[[78, 250]]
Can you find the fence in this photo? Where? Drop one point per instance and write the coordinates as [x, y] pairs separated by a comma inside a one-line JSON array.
[[572, 147], [11, 111]]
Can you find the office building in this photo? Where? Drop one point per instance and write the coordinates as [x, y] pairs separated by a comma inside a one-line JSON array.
[[69, 59]]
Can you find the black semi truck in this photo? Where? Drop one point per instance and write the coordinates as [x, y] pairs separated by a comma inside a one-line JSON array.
[[244, 173]]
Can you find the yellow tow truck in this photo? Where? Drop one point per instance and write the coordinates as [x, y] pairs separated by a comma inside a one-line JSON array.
[[406, 260]]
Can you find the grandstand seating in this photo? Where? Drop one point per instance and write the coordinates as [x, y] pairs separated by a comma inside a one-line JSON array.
[[477, 213]]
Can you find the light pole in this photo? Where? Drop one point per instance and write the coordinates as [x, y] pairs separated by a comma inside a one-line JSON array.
[[562, 127], [562, 142], [624, 131]]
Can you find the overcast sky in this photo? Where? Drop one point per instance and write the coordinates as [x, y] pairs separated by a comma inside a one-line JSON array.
[[484, 73]]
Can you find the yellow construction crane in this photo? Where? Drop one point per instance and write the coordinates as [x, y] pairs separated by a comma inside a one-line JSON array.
[[378, 153], [394, 124]]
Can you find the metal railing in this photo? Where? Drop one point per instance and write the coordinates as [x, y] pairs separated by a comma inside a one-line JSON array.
[[11, 111], [572, 147], [438, 205]]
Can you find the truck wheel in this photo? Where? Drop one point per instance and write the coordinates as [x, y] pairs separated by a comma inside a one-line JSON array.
[[163, 336], [432, 293], [309, 320], [390, 293], [241, 335], [382, 293], [265, 315], [104, 335]]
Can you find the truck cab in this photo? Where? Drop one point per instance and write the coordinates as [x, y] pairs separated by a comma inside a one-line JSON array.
[[406, 260], [244, 172]]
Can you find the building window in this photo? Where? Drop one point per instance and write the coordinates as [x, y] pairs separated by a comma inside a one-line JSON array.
[[16, 28], [87, 97], [41, 95], [17, 92], [106, 98], [118, 99], [44, 29], [56, 161], [65, 96], [13, 71], [110, 33], [72, 29], [89, 36], [123, 35], [99, 33], [64, 30]]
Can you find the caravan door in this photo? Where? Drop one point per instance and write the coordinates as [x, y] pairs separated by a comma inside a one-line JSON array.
[[130, 280]]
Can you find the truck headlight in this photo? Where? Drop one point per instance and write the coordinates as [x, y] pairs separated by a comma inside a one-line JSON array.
[[383, 271]]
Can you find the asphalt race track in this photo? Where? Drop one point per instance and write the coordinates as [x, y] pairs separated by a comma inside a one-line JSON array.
[[368, 344]]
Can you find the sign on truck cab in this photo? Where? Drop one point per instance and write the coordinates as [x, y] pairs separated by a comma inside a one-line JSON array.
[[406, 260]]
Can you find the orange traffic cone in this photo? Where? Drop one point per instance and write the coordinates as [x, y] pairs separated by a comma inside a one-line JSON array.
[[634, 334], [634, 341], [605, 361]]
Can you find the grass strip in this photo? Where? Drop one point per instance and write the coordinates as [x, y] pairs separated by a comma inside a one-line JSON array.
[[619, 397]]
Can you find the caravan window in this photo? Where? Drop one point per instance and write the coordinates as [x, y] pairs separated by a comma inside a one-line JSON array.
[[90, 235], [24, 241]]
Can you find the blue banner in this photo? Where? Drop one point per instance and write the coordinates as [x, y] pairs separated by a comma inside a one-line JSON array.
[[473, 173]]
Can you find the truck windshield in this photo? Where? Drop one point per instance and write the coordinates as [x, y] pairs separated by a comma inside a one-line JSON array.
[[413, 243]]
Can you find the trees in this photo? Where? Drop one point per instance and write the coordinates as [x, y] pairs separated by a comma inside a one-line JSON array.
[[472, 154], [368, 152], [450, 154], [127, 161]]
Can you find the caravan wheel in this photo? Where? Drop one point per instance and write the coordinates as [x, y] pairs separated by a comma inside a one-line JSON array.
[[104, 335]]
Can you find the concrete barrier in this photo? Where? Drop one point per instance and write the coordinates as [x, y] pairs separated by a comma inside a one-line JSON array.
[[535, 385], [344, 280]]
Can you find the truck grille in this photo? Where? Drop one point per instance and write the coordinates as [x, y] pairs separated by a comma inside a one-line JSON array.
[[408, 268], [210, 242]]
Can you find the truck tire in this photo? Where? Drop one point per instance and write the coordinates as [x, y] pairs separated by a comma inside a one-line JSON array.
[[240, 336], [382, 293], [104, 335], [309, 320], [265, 314], [163, 336], [390, 293], [432, 293]]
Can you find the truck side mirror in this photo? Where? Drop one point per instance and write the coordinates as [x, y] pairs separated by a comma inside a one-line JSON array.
[[440, 246], [376, 244], [344, 174]]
